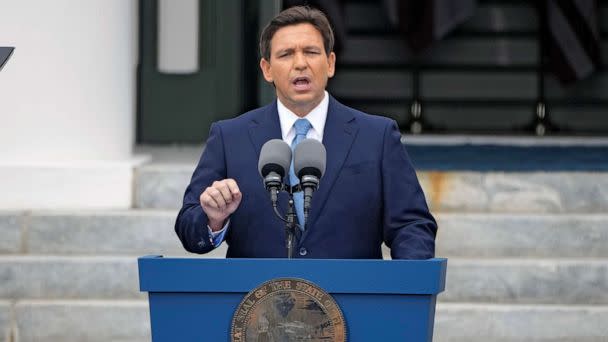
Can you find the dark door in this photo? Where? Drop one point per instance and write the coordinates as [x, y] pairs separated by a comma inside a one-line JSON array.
[[179, 108]]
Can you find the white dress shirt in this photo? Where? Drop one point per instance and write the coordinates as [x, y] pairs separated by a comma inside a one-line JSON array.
[[316, 117]]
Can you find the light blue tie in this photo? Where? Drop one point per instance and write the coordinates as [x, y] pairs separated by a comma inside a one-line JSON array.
[[302, 126]]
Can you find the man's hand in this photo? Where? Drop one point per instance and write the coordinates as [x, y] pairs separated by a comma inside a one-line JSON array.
[[219, 201]]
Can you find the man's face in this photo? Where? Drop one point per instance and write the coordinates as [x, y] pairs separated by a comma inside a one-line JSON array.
[[299, 67]]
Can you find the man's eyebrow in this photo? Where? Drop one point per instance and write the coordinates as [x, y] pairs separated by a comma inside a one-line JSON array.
[[284, 50], [308, 47]]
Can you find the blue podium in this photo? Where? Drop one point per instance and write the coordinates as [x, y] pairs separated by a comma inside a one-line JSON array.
[[194, 299]]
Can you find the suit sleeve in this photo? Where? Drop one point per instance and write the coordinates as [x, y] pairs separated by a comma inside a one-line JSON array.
[[409, 227], [191, 224]]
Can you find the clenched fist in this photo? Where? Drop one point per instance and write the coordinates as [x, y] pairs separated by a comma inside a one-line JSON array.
[[219, 201]]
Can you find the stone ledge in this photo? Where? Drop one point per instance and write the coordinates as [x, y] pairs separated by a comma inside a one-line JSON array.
[[551, 281], [527, 281], [10, 231], [129, 232], [516, 192], [104, 232], [502, 323], [69, 277], [161, 187], [51, 277], [522, 235], [455, 191], [77, 321], [142, 232], [70, 185], [5, 321]]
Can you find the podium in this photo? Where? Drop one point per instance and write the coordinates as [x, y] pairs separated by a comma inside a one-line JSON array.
[[195, 299]]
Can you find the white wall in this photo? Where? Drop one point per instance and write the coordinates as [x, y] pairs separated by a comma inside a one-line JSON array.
[[67, 102]]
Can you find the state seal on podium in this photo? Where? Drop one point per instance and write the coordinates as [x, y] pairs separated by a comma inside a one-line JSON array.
[[288, 309]]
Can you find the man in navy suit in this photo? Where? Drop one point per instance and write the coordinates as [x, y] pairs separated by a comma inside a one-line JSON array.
[[369, 193]]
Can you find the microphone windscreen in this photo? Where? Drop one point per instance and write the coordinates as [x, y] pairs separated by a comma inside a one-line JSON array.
[[310, 158], [275, 156]]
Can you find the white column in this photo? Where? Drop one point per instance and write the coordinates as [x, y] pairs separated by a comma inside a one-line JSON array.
[[67, 104]]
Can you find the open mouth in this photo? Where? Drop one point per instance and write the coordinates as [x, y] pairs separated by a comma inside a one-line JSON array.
[[301, 83]]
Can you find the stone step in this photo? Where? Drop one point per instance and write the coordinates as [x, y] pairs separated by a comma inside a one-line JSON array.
[[5, 321], [11, 224], [527, 281], [75, 277], [77, 321], [544, 281], [114, 232], [142, 232], [522, 235], [516, 192], [92, 321], [462, 322], [129, 232], [162, 186]]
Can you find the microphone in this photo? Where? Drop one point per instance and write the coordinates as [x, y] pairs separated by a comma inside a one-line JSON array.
[[309, 165], [275, 158]]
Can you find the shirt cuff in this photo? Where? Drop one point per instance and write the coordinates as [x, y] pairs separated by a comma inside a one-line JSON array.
[[217, 237]]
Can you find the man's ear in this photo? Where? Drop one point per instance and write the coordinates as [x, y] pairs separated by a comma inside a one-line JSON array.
[[331, 60], [266, 68]]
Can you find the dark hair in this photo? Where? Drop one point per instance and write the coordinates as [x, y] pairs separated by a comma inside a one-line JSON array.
[[293, 16]]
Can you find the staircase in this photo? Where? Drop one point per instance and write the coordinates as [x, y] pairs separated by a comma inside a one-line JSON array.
[[483, 77], [528, 257]]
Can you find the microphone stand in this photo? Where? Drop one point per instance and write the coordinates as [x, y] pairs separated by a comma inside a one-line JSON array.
[[291, 217], [291, 221], [290, 226]]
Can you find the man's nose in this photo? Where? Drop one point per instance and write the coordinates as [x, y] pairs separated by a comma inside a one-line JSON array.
[[300, 61]]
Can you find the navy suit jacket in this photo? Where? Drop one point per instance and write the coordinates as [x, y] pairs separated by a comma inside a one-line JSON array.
[[368, 194]]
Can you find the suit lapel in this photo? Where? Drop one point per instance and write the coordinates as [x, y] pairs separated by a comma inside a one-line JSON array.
[[339, 133], [264, 127]]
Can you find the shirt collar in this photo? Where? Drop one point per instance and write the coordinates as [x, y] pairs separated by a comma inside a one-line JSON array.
[[316, 117]]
